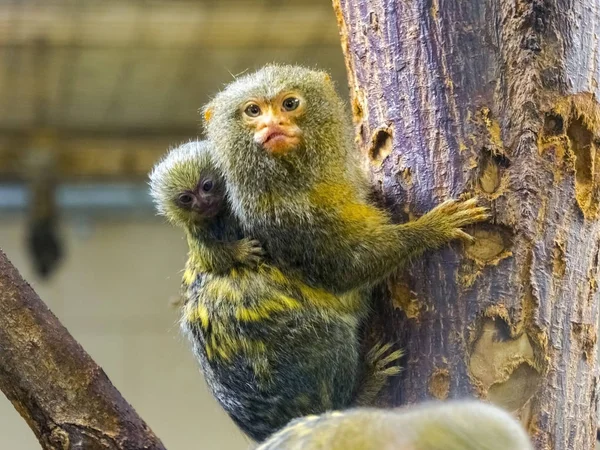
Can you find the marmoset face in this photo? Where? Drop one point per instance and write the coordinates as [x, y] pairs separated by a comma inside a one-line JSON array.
[[203, 200], [273, 121], [186, 187]]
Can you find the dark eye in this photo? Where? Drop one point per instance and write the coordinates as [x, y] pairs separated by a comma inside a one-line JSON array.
[[207, 185], [185, 199], [252, 110], [291, 103]]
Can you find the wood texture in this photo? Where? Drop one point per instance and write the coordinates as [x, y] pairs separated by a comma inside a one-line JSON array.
[[66, 399], [498, 99]]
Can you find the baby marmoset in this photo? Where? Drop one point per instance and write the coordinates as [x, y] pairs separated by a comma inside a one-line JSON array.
[[271, 347]]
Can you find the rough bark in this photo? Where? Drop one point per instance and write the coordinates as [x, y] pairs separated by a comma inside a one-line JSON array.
[[66, 399], [496, 98]]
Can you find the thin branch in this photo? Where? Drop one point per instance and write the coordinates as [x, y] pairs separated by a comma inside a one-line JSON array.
[[67, 400]]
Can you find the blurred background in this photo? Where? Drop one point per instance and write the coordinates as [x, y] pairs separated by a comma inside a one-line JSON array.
[[92, 93]]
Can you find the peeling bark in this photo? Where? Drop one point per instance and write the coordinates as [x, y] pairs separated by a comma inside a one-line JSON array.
[[66, 399], [498, 99]]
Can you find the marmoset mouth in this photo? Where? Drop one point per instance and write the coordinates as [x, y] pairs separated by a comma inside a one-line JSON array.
[[275, 132], [206, 211], [275, 135], [279, 139]]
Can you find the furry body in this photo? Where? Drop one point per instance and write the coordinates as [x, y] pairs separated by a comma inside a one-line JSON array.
[[271, 347], [309, 205]]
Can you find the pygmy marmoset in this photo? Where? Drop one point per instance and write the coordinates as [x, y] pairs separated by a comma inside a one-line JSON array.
[[285, 145], [271, 347]]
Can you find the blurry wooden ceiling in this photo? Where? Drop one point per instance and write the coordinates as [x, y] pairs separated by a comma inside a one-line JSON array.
[[110, 77]]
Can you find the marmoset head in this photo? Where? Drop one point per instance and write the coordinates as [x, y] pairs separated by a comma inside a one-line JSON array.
[[187, 189], [278, 113]]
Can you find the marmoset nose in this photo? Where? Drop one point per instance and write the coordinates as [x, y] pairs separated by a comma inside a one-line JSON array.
[[271, 119], [196, 204]]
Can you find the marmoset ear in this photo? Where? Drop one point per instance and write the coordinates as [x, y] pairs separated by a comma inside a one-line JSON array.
[[208, 112]]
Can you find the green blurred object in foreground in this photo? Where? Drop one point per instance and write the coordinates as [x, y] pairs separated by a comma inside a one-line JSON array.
[[456, 425]]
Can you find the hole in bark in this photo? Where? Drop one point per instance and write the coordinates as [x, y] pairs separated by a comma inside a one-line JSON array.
[[439, 384], [553, 124], [531, 42], [501, 332], [500, 158], [492, 163], [551, 78], [559, 263], [503, 364], [381, 146], [513, 393], [403, 297], [581, 141], [489, 179], [584, 150], [406, 175], [374, 21], [586, 337], [492, 243]]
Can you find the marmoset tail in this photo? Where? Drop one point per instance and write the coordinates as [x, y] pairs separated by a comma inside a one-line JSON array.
[[453, 425], [271, 347], [285, 146]]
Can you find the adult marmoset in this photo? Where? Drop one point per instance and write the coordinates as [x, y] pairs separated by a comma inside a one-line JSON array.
[[271, 347], [284, 144], [454, 425]]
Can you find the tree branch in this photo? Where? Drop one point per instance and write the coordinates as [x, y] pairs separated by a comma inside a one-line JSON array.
[[67, 400]]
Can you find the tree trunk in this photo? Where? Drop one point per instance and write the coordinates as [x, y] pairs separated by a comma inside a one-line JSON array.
[[66, 399], [496, 98]]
